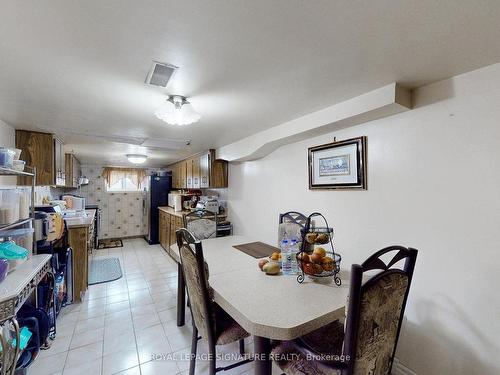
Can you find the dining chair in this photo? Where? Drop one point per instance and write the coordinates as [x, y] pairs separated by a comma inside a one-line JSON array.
[[209, 319], [367, 343], [201, 224], [291, 223]]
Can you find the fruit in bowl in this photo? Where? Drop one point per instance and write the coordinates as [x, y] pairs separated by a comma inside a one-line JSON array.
[[317, 269], [311, 237], [304, 258], [308, 268], [328, 263], [322, 238], [316, 258], [319, 263], [317, 238], [320, 251]]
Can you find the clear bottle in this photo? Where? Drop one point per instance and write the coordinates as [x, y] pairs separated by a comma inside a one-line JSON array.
[[286, 258], [293, 251]]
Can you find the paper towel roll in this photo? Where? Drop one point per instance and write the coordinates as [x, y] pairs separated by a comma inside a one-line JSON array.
[[178, 203]]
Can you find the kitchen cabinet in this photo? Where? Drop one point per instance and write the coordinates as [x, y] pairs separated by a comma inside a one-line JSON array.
[[183, 174], [204, 171], [73, 171], [59, 163], [196, 172], [169, 223], [80, 239], [199, 172], [46, 154], [37, 150], [189, 173], [162, 232]]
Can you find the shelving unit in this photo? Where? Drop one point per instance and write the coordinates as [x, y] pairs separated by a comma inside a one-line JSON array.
[[20, 283], [30, 173], [16, 289]]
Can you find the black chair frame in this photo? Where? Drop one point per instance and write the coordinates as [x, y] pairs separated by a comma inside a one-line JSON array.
[[357, 288], [184, 237], [293, 217]]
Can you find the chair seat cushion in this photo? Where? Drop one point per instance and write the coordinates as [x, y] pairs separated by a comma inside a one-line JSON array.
[[326, 340], [226, 328], [295, 357], [293, 360]]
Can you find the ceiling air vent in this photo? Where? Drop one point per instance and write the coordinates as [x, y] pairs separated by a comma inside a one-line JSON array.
[[160, 74]]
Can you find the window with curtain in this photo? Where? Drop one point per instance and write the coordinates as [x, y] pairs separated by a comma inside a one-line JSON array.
[[123, 179]]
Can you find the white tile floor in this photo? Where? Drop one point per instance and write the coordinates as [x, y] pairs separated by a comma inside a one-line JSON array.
[[122, 323]]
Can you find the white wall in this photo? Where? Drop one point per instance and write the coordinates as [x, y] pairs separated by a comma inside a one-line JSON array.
[[433, 183], [7, 139]]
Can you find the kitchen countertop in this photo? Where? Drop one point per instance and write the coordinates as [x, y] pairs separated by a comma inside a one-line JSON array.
[[80, 222], [16, 280], [171, 211]]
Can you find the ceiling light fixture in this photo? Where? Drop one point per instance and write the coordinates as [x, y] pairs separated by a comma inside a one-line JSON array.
[[177, 111], [136, 158]]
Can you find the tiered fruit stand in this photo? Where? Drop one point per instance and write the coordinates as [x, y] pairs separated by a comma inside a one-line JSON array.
[[317, 257]]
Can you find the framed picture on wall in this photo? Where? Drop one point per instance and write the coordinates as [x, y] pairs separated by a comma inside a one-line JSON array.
[[338, 165]]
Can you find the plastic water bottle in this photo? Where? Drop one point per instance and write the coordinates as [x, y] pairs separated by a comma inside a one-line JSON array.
[[293, 251], [286, 258]]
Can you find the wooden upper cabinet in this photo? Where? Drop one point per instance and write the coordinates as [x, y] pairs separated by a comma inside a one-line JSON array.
[[73, 170], [189, 173], [204, 171], [196, 172], [46, 154], [37, 150], [218, 171], [183, 174], [59, 163], [200, 172]]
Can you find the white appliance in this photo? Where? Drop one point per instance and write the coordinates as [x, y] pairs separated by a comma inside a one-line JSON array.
[[178, 203], [74, 202], [171, 199], [210, 204]]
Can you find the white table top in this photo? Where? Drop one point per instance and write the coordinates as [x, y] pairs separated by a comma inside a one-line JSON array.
[[277, 307], [15, 281]]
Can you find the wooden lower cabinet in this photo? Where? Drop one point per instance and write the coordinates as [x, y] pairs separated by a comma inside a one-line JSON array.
[[168, 224], [164, 229], [79, 239]]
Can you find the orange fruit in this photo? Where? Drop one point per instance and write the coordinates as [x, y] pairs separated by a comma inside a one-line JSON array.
[[328, 263], [316, 258], [275, 255], [317, 269], [320, 251]]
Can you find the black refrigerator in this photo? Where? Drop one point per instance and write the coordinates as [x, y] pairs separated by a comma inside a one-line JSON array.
[[155, 195]]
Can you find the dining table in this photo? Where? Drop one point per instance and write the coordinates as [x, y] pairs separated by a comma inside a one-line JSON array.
[[269, 307]]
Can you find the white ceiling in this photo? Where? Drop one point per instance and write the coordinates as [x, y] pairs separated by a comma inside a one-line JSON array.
[[78, 67]]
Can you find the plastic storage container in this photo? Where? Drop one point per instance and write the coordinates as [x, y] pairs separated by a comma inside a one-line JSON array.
[[6, 157], [18, 165], [24, 202], [15, 255], [9, 206], [4, 268], [18, 153], [22, 237]]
